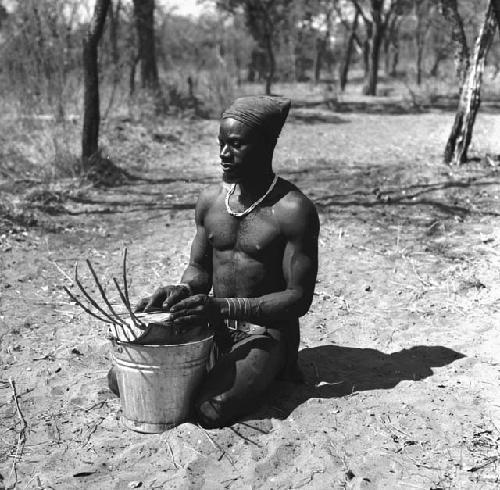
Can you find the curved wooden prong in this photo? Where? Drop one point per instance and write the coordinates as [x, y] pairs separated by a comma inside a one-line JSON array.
[[136, 321], [103, 295], [83, 307], [92, 301]]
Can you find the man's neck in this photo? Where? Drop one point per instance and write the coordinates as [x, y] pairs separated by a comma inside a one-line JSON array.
[[251, 189]]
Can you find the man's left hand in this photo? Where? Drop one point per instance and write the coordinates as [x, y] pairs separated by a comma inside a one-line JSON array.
[[195, 310]]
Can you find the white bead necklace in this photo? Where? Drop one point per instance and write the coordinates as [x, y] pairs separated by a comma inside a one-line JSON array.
[[254, 205]]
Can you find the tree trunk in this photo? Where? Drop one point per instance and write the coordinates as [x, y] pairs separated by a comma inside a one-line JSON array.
[[390, 44], [449, 10], [131, 79], [91, 117], [114, 21], [375, 40], [318, 60], [419, 41], [344, 71], [438, 59], [470, 99], [395, 57], [271, 64], [144, 18]]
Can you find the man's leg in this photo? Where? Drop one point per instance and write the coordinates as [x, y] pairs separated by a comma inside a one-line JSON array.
[[236, 384]]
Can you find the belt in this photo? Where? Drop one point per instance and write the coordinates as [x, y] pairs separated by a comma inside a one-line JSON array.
[[247, 327]]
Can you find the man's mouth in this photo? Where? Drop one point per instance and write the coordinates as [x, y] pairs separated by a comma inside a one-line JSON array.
[[228, 168]]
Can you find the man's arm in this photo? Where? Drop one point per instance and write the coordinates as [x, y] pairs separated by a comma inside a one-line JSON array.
[[300, 226], [197, 277]]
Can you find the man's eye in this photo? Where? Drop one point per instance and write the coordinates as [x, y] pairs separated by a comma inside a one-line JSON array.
[[236, 144]]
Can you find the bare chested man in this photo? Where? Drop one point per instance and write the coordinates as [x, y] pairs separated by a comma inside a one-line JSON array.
[[256, 246]]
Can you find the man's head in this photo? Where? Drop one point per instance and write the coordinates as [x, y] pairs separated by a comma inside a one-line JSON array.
[[249, 130]]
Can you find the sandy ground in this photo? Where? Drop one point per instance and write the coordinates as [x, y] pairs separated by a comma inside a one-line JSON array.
[[400, 348]]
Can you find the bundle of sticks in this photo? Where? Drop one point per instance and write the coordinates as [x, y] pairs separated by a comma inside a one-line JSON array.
[[123, 329]]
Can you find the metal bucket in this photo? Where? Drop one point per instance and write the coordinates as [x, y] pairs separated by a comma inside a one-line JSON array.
[[158, 382]]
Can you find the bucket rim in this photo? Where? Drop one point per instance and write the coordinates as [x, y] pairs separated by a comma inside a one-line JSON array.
[[121, 342]]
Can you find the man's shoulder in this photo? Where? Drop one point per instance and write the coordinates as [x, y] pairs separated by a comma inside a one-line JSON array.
[[209, 195], [296, 210], [293, 200]]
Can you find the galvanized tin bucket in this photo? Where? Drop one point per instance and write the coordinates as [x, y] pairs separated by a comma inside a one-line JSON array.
[[158, 382]]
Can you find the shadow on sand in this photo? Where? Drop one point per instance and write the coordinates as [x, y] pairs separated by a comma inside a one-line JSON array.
[[333, 371]]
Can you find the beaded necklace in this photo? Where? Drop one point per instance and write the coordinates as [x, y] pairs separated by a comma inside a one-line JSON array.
[[248, 210]]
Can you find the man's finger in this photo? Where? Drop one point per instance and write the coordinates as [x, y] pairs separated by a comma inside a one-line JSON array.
[[156, 300], [175, 297], [141, 305], [196, 300]]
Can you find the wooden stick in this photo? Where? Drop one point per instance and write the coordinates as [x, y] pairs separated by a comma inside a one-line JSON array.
[[101, 290], [137, 322], [91, 300], [125, 283], [21, 440], [56, 265], [83, 307]]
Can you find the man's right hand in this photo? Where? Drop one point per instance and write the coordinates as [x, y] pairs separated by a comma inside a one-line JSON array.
[[163, 298]]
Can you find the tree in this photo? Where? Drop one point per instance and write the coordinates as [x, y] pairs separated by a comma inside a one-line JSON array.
[[352, 40], [376, 23], [265, 19], [470, 73], [91, 116], [144, 18]]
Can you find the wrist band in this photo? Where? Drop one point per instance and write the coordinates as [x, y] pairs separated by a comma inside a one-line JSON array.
[[238, 308]]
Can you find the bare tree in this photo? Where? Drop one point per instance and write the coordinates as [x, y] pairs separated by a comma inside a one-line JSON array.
[[470, 99], [376, 23], [91, 116], [144, 18], [449, 10], [265, 19], [469, 73], [352, 40]]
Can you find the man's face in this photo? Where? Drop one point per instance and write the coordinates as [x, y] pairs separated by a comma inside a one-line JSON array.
[[242, 155]]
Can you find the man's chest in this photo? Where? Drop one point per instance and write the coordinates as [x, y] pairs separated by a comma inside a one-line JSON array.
[[256, 234]]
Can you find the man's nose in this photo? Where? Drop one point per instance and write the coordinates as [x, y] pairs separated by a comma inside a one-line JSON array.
[[224, 152]]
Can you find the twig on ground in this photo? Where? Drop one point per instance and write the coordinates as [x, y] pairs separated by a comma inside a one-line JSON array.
[[217, 446], [491, 460], [258, 429], [92, 429], [244, 437], [21, 440], [171, 454]]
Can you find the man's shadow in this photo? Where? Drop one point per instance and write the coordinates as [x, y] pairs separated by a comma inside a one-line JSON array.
[[332, 371]]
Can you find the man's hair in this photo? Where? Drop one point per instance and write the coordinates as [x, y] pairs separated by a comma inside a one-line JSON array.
[[264, 113]]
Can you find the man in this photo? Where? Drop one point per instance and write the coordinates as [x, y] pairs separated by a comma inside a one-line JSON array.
[[256, 246]]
